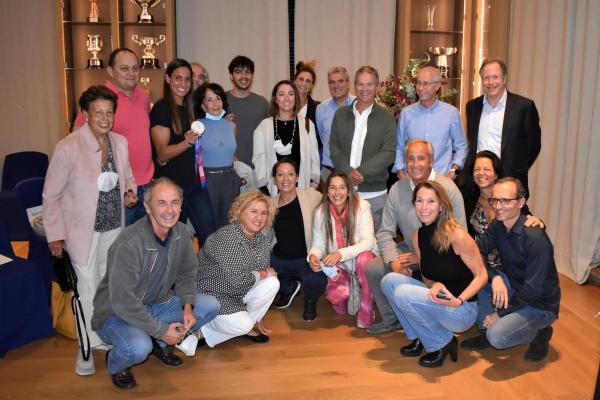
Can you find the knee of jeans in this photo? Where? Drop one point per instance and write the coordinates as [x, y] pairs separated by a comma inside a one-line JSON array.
[[497, 339], [206, 306], [139, 348]]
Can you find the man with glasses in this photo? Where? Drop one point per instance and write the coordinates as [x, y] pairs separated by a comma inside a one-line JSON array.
[[399, 213], [519, 303], [435, 121], [246, 108], [504, 123]]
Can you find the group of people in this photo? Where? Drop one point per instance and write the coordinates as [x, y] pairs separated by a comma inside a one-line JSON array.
[[314, 214]]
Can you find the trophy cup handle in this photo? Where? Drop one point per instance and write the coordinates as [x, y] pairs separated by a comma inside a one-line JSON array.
[[135, 38], [161, 38]]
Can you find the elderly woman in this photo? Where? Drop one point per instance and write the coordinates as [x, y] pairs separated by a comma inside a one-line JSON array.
[[342, 247], [177, 155], [89, 179], [285, 134], [217, 145], [293, 232], [234, 267], [453, 272]]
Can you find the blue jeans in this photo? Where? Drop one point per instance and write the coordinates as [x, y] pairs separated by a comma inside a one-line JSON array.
[[132, 345], [138, 211], [484, 300], [313, 283], [433, 324], [197, 207]]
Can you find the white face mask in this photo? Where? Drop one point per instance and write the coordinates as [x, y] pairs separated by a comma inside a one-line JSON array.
[[107, 181], [281, 149], [188, 345]]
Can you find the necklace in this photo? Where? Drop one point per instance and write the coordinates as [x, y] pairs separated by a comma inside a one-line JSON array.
[[285, 124]]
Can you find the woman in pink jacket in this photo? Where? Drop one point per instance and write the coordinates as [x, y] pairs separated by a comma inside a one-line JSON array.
[[88, 182]]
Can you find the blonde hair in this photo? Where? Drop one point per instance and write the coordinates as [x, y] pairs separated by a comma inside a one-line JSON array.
[[245, 200], [446, 222]]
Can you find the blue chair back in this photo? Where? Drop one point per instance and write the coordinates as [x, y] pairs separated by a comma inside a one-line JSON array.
[[14, 216], [5, 247], [23, 165], [29, 192]]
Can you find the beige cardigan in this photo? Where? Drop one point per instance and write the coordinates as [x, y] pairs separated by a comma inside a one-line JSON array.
[[70, 195], [309, 199]]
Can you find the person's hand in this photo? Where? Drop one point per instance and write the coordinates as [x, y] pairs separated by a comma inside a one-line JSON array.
[[332, 259], [356, 177], [399, 268], [189, 319], [230, 117], [401, 175], [174, 334], [314, 263], [452, 173], [439, 287], [490, 319], [190, 137], [260, 326], [408, 258], [499, 293], [532, 220], [56, 248], [130, 199]]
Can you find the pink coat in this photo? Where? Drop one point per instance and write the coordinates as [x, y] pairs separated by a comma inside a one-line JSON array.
[[70, 194]]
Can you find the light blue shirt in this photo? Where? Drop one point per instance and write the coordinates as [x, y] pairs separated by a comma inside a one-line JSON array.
[[218, 143], [440, 125], [324, 117]]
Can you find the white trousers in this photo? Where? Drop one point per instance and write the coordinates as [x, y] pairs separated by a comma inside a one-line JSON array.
[[257, 300], [90, 275]]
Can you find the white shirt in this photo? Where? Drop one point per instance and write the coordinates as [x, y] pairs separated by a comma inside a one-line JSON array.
[[302, 112], [412, 185], [490, 126]]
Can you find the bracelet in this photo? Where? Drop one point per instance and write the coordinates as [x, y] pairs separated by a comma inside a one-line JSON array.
[[188, 143], [461, 301]]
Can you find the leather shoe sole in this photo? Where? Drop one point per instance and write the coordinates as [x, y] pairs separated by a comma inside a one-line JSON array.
[[412, 350], [167, 357], [260, 338], [123, 380]]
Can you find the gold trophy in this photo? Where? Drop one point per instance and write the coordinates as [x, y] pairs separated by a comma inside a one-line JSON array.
[[144, 17], [94, 16], [149, 60], [94, 46], [441, 58]]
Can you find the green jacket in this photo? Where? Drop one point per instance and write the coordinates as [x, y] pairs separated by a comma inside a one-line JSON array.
[[379, 149]]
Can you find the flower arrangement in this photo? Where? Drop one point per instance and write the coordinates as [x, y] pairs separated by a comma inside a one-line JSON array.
[[398, 91]]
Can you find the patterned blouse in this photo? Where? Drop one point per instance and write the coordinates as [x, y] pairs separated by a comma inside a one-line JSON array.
[[480, 223], [108, 212], [228, 266]]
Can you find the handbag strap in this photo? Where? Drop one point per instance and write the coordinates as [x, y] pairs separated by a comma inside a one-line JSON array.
[[79, 316]]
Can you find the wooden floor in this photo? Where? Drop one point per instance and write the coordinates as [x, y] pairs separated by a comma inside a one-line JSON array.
[[328, 359]]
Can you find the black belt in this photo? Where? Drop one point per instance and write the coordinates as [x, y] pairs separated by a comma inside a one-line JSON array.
[[219, 170]]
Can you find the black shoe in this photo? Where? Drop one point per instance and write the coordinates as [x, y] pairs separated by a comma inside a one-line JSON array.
[[476, 343], [412, 350], [123, 380], [436, 359], [286, 299], [538, 348], [310, 312], [201, 343], [260, 338], [166, 356]]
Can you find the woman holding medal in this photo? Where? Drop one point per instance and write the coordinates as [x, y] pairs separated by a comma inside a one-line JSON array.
[[218, 147], [88, 182], [177, 155], [343, 243], [285, 134]]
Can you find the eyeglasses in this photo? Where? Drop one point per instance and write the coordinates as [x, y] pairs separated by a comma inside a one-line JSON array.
[[424, 83], [503, 202]]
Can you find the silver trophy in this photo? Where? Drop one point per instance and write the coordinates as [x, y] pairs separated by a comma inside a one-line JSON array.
[[441, 58], [430, 13], [94, 46], [94, 14], [149, 60], [145, 17]]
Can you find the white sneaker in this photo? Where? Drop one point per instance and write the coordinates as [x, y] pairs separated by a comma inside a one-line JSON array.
[[83, 367]]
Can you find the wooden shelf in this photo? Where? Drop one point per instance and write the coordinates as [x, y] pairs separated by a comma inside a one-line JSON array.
[[420, 31]]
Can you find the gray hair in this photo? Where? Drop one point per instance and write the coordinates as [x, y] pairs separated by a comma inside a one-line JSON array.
[[152, 184], [340, 70], [425, 142]]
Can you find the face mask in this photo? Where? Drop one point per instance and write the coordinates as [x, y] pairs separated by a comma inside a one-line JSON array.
[[331, 272], [107, 181], [215, 117], [281, 149], [189, 344]]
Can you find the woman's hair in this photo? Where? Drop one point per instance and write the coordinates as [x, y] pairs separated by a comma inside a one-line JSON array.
[[352, 206], [306, 66], [187, 99], [496, 164], [200, 94], [99, 92], [245, 200], [284, 160], [446, 222], [273, 107]]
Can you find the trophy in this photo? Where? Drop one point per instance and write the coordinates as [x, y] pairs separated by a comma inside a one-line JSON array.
[[144, 17], [93, 17], [149, 60], [441, 58], [430, 13], [94, 46]]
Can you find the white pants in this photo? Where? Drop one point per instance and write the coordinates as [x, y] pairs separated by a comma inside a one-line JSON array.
[[90, 275], [257, 300]]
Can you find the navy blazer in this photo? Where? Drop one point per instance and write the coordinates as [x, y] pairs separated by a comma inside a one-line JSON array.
[[521, 137]]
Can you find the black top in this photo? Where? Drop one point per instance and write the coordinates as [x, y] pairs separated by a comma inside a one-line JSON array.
[[181, 169], [289, 231], [108, 211], [445, 267], [311, 114], [287, 131], [528, 262]]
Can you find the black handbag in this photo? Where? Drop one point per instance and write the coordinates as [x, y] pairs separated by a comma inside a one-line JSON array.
[[67, 280]]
